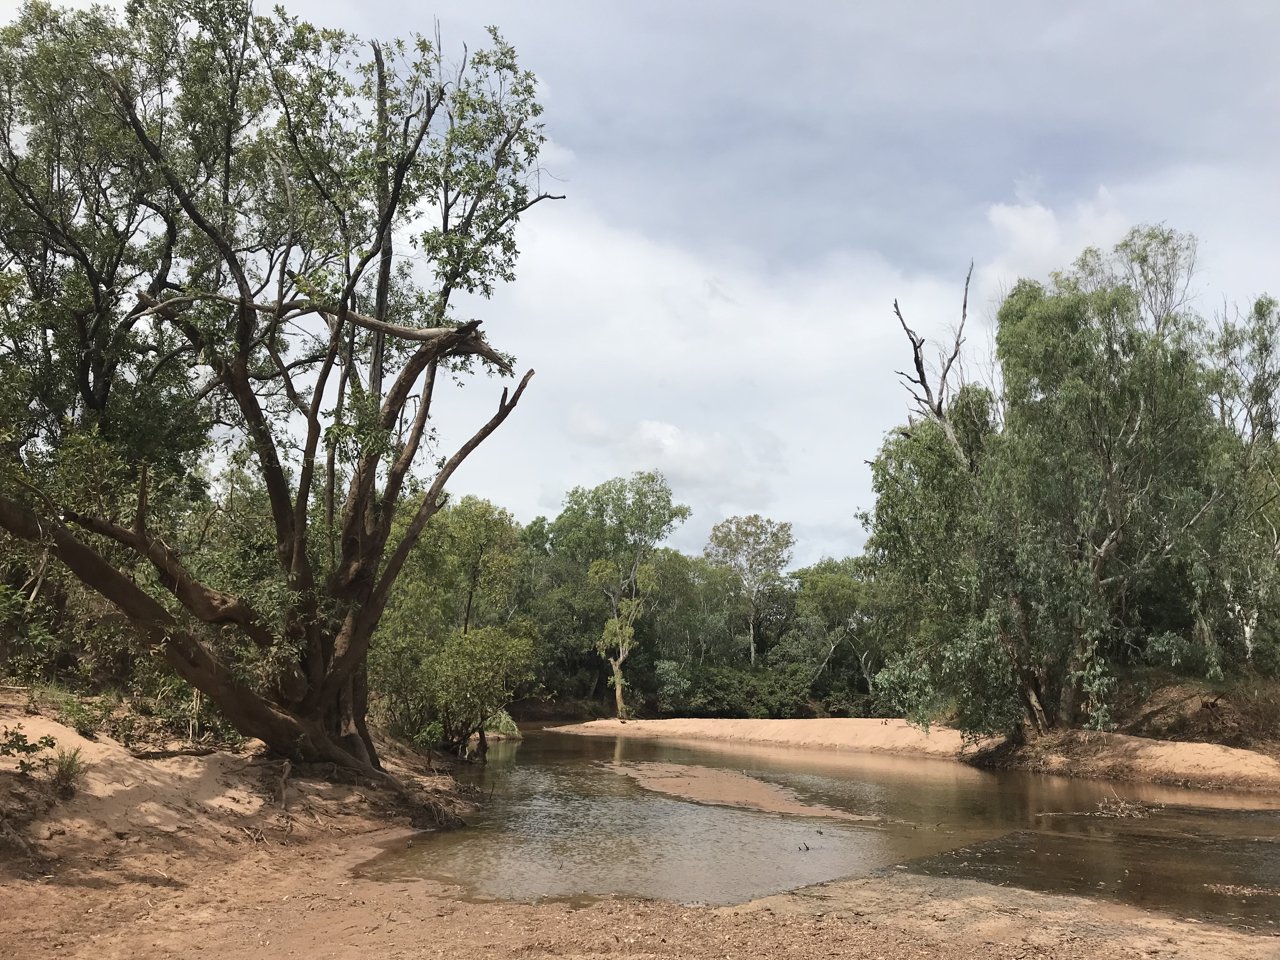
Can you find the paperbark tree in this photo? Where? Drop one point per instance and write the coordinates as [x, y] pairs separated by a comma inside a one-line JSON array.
[[756, 550], [227, 227]]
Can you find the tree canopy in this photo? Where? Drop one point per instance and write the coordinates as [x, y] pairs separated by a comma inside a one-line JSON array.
[[1040, 540], [233, 250]]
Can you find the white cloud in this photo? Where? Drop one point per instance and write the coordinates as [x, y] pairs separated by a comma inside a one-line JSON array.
[[1033, 239], [752, 392], [762, 389]]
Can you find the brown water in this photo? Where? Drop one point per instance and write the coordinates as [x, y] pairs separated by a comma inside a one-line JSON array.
[[564, 822]]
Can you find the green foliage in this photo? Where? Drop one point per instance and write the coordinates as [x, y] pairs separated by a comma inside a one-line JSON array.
[[673, 686], [1108, 507], [610, 532], [472, 677], [67, 772], [84, 717], [450, 646], [501, 724], [755, 550], [721, 691], [15, 743]]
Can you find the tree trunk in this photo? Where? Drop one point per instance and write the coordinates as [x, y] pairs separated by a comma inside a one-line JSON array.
[[1015, 647], [618, 686], [1033, 709]]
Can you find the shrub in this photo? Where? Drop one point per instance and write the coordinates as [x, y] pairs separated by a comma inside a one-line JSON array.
[[672, 686], [780, 693], [68, 772], [15, 743], [502, 725], [84, 715]]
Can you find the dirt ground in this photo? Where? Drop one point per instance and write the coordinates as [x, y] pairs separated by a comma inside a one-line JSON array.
[[208, 856]]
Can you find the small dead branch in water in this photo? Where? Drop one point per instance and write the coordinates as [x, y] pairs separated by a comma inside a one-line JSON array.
[[1117, 807]]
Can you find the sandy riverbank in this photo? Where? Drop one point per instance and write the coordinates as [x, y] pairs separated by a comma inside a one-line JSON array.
[[1075, 753], [192, 856], [895, 737]]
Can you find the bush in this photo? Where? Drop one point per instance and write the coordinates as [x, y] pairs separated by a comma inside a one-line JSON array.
[[474, 675], [440, 694], [780, 693], [15, 743], [502, 725], [68, 772], [672, 686], [85, 715]]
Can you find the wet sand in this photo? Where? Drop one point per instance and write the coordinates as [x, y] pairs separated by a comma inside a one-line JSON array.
[[278, 899], [726, 788]]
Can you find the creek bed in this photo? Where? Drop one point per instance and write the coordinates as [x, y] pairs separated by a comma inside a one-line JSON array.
[[564, 821]]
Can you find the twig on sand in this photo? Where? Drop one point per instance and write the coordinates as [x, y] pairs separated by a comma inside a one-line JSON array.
[[167, 754], [284, 785]]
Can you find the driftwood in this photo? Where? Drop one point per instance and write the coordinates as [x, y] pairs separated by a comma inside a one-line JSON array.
[[167, 754]]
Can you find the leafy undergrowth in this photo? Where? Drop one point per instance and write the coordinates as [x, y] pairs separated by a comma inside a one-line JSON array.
[[138, 721]]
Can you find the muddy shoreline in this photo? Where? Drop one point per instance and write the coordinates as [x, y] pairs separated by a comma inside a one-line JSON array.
[[1076, 753]]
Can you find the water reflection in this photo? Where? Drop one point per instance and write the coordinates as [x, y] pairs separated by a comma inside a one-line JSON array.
[[562, 823]]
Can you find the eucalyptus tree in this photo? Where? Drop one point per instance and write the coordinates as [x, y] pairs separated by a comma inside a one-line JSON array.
[[1238, 571], [1048, 534], [691, 616], [215, 220], [831, 620], [757, 550], [611, 531]]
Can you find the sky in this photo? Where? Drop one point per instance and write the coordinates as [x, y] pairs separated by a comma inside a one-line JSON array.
[[750, 185]]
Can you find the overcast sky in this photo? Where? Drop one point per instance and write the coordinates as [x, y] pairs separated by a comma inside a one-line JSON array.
[[750, 185]]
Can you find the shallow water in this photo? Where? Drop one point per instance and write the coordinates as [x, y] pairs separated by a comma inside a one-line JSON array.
[[562, 822]]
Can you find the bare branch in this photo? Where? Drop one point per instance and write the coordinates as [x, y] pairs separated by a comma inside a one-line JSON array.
[[930, 399]]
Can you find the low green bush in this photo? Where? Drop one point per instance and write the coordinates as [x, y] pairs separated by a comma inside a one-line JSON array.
[[15, 743], [68, 771]]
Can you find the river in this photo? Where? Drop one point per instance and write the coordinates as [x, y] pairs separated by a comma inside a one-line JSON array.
[[567, 817]]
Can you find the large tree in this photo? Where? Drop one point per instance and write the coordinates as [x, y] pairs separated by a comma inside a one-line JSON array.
[[1111, 504], [237, 250], [612, 531]]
